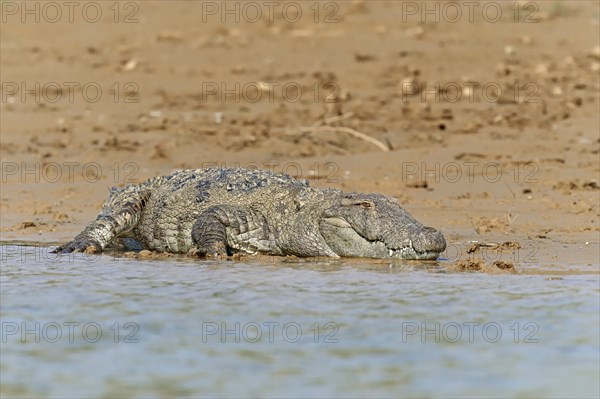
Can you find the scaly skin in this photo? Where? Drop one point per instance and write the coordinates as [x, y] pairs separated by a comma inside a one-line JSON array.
[[221, 211]]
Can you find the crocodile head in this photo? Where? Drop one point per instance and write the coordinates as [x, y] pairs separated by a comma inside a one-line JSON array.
[[376, 226]]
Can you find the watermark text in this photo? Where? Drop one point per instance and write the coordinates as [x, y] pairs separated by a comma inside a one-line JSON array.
[[68, 331]]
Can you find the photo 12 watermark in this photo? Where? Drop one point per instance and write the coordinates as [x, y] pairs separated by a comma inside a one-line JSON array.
[[290, 12], [411, 89], [69, 332], [469, 332], [270, 331], [69, 172], [509, 251], [14, 92], [270, 91], [467, 172], [469, 11], [52, 12]]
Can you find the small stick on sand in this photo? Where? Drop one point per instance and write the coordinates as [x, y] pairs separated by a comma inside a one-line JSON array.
[[350, 131], [511, 219], [333, 119]]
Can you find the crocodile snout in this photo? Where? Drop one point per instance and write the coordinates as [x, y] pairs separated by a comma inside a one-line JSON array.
[[429, 240]]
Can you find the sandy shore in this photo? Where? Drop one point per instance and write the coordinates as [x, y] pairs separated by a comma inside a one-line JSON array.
[[486, 129]]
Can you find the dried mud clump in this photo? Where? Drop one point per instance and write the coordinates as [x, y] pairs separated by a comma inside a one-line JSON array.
[[469, 265], [479, 265], [505, 266], [576, 184]]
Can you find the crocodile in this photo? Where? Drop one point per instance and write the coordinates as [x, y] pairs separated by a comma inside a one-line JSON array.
[[218, 212]]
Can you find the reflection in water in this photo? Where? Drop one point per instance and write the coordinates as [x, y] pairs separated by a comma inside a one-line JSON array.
[[115, 326]]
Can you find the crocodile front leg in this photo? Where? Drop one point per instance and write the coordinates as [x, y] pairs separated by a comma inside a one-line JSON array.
[[120, 213], [224, 229]]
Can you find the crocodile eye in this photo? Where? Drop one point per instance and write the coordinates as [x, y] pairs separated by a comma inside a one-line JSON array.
[[366, 204]]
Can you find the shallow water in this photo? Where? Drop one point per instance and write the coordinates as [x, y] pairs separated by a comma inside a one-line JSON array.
[[111, 326]]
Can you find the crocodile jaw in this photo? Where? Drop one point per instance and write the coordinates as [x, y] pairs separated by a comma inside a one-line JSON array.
[[345, 241]]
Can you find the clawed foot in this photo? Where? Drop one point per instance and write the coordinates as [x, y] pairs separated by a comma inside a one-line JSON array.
[[216, 251], [87, 246]]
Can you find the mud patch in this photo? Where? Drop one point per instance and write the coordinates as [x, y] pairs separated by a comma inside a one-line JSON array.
[[479, 265]]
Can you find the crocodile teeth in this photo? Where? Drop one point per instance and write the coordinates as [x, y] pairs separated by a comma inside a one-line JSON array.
[[391, 252]]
